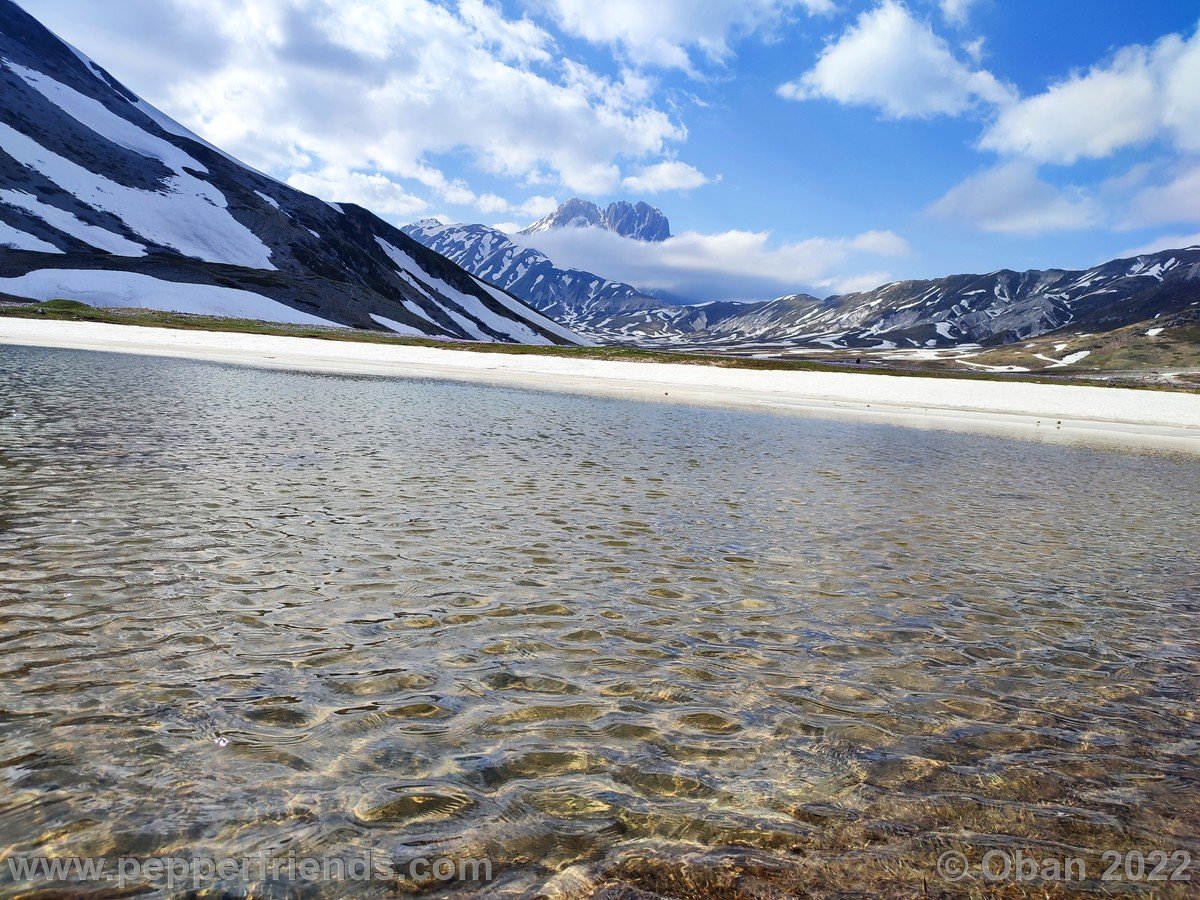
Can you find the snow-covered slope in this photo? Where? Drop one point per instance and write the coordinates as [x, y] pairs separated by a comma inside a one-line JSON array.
[[1005, 306], [585, 302], [106, 199], [639, 221]]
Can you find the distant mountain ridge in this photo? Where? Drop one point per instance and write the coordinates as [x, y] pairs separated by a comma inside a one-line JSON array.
[[105, 199], [996, 308], [639, 221], [1006, 306], [567, 295]]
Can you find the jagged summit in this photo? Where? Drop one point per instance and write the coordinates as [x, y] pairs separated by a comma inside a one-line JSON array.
[[639, 221]]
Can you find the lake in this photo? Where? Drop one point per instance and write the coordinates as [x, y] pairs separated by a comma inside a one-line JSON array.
[[602, 645]]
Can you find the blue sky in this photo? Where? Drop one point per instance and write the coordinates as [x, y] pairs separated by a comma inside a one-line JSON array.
[[819, 145]]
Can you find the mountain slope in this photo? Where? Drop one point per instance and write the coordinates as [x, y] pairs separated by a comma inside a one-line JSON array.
[[997, 308], [581, 300], [94, 180], [1007, 306], [639, 221]]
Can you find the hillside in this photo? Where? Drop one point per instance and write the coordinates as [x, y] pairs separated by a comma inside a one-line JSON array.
[[105, 199]]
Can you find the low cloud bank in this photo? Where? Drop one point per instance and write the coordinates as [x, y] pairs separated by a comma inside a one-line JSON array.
[[731, 265]]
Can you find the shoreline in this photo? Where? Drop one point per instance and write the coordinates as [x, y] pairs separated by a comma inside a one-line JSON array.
[[1078, 414]]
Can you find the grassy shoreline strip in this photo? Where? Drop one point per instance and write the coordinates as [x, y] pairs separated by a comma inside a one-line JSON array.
[[74, 311]]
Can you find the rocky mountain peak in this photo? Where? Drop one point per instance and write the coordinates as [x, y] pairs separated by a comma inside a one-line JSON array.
[[639, 221]]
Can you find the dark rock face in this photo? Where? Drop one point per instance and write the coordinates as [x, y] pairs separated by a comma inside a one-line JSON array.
[[639, 221], [93, 178]]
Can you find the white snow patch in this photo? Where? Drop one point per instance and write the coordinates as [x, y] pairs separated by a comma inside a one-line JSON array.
[[190, 215], [99, 118], [159, 118], [109, 288], [61, 220], [1068, 360], [1154, 332], [398, 327], [417, 311], [466, 303], [530, 314], [14, 239], [993, 368], [266, 198]]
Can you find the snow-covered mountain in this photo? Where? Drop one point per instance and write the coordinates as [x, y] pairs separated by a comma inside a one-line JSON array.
[[105, 199], [996, 308], [639, 221], [592, 304], [1001, 307]]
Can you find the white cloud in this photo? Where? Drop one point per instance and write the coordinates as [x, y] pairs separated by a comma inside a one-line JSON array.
[[895, 63], [491, 203], [1138, 95], [1181, 99], [881, 243], [520, 41], [537, 206], [1166, 242], [376, 192], [665, 32], [853, 284], [507, 227], [956, 11], [1177, 201], [1012, 199], [383, 87], [1086, 116], [666, 176], [733, 265]]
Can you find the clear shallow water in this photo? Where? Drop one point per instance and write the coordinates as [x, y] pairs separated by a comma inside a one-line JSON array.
[[245, 611]]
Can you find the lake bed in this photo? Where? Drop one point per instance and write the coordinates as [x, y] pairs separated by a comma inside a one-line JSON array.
[[595, 642]]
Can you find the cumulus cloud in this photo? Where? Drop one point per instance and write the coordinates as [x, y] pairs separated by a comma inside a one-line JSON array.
[[363, 84], [956, 11], [881, 243], [1012, 199], [892, 61], [375, 192], [324, 88], [1166, 242], [1176, 201], [1138, 95], [854, 284], [536, 207], [1086, 116], [666, 176], [733, 265], [666, 32]]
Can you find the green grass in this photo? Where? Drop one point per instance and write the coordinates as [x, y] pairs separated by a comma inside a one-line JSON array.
[[74, 311]]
